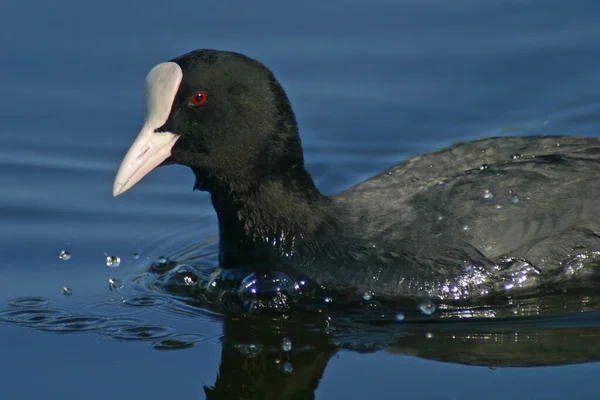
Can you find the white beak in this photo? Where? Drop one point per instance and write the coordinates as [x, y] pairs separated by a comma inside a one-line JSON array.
[[151, 148]]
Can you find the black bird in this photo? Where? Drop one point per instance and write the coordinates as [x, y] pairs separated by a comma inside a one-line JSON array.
[[482, 217]]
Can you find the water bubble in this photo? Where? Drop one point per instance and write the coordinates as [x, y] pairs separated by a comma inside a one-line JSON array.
[[286, 344], [67, 291], [265, 285], [328, 299], [161, 260], [254, 306], [487, 194], [400, 316], [136, 256], [516, 156], [182, 274], [483, 166], [368, 295], [429, 335], [427, 307], [287, 368], [465, 228], [515, 199], [64, 255], [113, 261]]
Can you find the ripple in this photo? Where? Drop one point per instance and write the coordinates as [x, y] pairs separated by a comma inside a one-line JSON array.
[[73, 324], [143, 301], [121, 322], [179, 342], [111, 308], [139, 332], [32, 302], [31, 316]]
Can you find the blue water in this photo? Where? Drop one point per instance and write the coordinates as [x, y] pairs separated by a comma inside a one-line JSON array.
[[372, 83]]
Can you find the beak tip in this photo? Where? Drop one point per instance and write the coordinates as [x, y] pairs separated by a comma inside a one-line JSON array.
[[117, 189]]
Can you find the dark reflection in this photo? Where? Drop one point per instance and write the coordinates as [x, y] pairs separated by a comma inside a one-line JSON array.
[[552, 331], [254, 364]]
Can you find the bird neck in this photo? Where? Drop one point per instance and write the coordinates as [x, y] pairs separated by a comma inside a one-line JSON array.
[[267, 221]]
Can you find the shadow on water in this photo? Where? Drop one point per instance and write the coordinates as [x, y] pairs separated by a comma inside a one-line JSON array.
[[283, 354]]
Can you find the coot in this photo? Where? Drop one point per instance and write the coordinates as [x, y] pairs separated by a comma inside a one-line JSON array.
[[477, 218]]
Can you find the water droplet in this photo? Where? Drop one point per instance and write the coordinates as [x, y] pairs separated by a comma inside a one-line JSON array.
[[400, 316], [67, 291], [465, 228], [114, 284], [368, 295], [287, 368], [328, 299], [515, 199], [483, 166], [64, 255], [136, 256], [429, 335], [487, 194], [516, 156], [161, 259], [113, 261], [440, 217], [427, 307], [286, 344]]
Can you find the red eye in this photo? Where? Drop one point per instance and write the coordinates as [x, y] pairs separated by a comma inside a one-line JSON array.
[[198, 98]]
